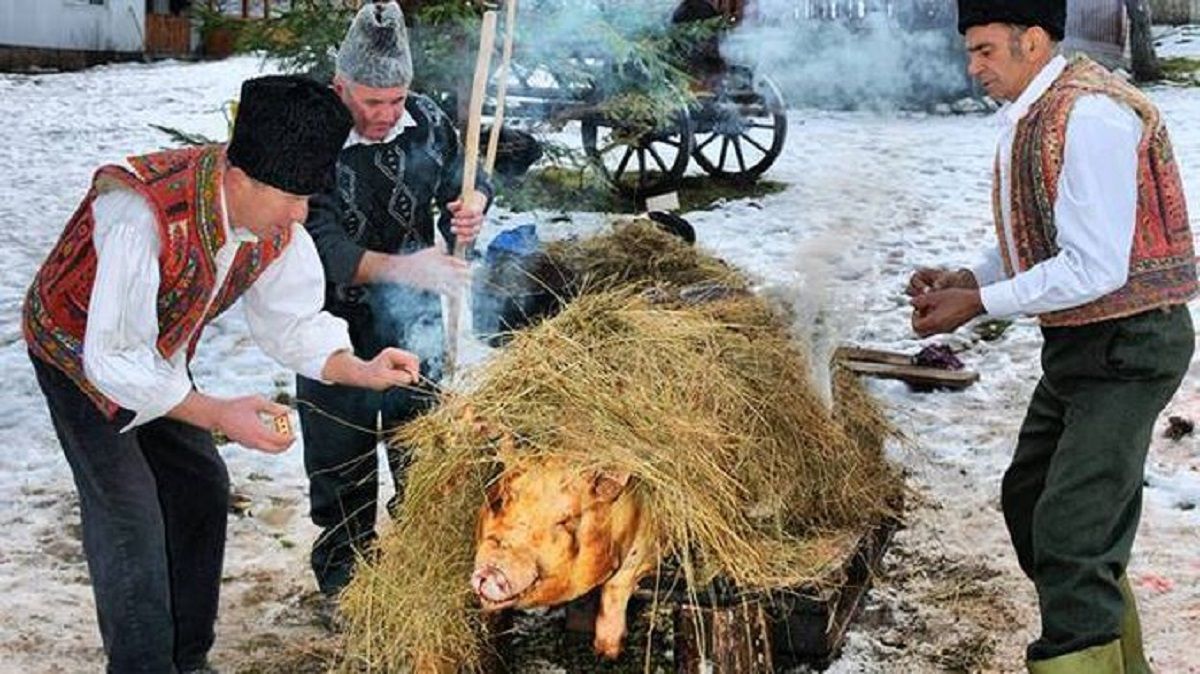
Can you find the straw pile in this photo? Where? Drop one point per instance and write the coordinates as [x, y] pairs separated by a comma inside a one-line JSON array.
[[708, 405]]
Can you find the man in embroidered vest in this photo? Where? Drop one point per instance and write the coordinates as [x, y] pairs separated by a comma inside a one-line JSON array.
[[374, 230], [112, 319], [1094, 240]]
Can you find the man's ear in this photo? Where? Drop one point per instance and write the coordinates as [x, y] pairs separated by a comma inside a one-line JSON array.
[[340, 86], [1036, 38]]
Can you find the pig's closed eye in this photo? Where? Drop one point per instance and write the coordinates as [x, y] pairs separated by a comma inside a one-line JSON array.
[[567, 524]]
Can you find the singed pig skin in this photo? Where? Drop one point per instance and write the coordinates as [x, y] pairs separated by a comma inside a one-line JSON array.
[[548, 534]]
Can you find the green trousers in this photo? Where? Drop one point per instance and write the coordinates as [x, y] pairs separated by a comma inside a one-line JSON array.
[[1073, 494]]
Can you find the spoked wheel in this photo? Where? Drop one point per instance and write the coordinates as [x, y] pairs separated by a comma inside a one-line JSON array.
[[741, 129], [639, 164]]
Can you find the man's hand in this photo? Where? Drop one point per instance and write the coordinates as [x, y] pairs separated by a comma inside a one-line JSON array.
[[431, 269], [392, 367], [240, 419], [928, 279], [466, 219], [943, 311]]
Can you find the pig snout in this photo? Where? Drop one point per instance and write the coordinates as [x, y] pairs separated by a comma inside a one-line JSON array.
[[498, 587], [491, 584]]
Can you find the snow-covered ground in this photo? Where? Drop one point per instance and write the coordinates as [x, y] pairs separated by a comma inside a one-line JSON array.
[[870, 197]]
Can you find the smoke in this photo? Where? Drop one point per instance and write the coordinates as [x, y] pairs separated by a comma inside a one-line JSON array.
[[876, 62], [412, 319]]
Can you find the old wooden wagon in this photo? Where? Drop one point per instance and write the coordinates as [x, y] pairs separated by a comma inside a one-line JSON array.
[[735, 129]]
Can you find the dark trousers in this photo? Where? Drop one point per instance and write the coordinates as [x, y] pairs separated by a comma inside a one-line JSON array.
[[1073, 494], [154, 503], [338, 425]]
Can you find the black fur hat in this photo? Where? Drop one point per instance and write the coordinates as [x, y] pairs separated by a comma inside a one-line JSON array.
[[1051, 15], [288, 133]]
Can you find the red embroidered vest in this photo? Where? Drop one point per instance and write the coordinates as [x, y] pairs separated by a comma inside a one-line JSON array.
[[1162, 264], [184, 190]]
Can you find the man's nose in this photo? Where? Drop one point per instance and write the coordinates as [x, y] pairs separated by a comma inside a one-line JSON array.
[[974, 68]]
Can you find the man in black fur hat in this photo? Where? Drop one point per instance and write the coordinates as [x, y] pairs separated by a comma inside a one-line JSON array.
[[112, 320], [375, 233], [1095, 241]]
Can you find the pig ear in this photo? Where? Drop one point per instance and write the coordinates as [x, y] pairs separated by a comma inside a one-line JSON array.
[[498, 492], [607, 486]]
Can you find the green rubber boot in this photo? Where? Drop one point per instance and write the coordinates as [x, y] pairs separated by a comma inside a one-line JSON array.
[[1105, 659], [1131, 633]]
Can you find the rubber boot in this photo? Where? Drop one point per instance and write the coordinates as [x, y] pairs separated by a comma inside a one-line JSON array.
[[1131, 633], [1105, 659]]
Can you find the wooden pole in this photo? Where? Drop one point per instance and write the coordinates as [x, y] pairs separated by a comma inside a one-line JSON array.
[[454, 303], [501, 87], [483, 62]]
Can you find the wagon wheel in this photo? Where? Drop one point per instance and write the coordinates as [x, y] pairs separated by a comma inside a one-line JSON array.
[[642, 165], [746, 129]]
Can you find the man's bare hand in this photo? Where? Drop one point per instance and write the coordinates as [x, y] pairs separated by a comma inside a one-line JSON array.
[[392, 367], [944, 311], [466, 218], [431, 269], [928, 279], [241, 419]]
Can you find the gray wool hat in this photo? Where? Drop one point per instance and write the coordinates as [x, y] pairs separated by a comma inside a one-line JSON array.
[[375, 52]]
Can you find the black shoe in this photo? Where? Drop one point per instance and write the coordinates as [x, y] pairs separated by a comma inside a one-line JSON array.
[[328, 612]]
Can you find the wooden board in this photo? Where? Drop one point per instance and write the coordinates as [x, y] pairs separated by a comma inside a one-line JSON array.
[[892, 365], [758, 634]]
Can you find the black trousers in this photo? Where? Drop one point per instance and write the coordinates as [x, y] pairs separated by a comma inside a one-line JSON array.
[[342, 428], [1072, 496], [154, 504]]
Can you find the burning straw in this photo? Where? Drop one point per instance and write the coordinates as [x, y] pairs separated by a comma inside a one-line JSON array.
[[708, 405]]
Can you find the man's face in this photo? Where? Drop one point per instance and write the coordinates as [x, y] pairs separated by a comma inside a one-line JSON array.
[[375, 111], [264, 210], [999, 58]]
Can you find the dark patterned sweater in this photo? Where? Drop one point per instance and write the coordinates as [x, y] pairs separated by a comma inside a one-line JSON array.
[[383, 201]]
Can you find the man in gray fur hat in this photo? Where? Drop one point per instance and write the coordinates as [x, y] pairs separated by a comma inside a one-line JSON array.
[[375, 235]]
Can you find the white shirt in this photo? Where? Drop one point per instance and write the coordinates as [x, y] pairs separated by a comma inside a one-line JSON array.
[[406, 122], [1094, 212], [120, 352]]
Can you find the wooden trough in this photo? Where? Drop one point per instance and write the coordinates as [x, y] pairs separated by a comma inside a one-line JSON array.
[[746, 634]]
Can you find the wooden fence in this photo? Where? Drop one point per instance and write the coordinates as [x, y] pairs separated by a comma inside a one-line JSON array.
[[168, 35]]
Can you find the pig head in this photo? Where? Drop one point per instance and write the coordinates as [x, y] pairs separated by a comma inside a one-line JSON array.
[[549, 534]]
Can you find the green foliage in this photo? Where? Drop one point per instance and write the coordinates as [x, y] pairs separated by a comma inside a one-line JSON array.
[[562, 188], [184, 138], [619, 60], [1181, 70], [304, 39]]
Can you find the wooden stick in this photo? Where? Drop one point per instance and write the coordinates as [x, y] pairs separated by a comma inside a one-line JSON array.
[[501, 88], [487, 42], [453, 305]]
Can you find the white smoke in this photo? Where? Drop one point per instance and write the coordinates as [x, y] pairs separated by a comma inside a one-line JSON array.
[[873, 62]]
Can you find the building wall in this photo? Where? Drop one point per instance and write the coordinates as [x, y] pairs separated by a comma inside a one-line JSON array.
[[1175, 12], [77, 25]]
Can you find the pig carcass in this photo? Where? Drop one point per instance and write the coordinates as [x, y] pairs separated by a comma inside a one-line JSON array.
[[549, 534]]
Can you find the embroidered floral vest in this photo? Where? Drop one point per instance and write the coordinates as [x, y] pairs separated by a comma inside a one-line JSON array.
[[183, 187], [1162, 265]]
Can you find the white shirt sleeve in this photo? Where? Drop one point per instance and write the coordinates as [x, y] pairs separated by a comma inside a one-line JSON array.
[[283, 309], [990, 269], [120, 343], [1094, 213]]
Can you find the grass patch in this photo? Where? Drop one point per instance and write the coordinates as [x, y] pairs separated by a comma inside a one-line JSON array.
[[1182, 70], [559, 188]]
